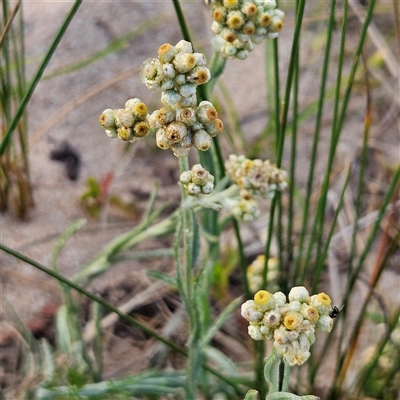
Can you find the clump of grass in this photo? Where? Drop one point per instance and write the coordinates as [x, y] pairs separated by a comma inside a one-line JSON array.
[[15, 184]]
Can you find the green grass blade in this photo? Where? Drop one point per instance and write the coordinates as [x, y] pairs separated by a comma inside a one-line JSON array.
[[315, 141], [116, 45]]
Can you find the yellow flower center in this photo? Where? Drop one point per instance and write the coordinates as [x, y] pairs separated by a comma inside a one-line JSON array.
[[230, 3], [324, 299], [141, 129], [262, 297], [265, 20], [312, 313], [291, 322], [164, 49], [235, 22], [278, 26], [218, 15], [140, 109]]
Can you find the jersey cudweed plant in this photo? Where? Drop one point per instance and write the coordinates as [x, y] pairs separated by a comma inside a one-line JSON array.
[[181, 124], [281, 314], [240, 25]]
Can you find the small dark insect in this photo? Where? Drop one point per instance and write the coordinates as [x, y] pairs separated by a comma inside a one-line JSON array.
[[67, 154], [335, 311]]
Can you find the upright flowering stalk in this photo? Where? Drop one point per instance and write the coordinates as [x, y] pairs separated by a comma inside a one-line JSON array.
[[241, 24]]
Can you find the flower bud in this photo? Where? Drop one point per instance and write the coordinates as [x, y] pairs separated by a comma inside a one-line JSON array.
[[125, 134], [167, 84], [164, 116], [254, 332], [200, 59], [180, 151], [125, 118], [214, 127], [219, 14], [166, 53], [249, 28], [269, 4], [292, 320], [187, 141], [229, 50], [249, 311], [235, 20], [111, 133], [184, 47], [170, 97], [141, 129], [206, 112], [184, 62], [207, 188], [187, 116], [180, 79], [228, 35], [299, 293], [272, 319], [193, 189], [216, 27], [264, 19], [199, 75], [169, 71], [324, 323], [176, 131], [187, 89], [161, 139], [242, 54], [202, 140], [276, 24], [107, 119], [186, 177], [230, 3], [151, 73], [199, 175], [138, 109], [249, 9], [310, 312], [188, 102], [264, 300]]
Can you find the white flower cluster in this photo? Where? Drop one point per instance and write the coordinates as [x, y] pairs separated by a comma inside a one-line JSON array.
[[241, 24], [197, 181], [258, 178], [255, 273], [180, 124], [255, 178], [182, 128], [290, 324], [128, 124]]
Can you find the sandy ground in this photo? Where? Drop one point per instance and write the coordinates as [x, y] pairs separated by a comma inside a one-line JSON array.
[[57, 198]]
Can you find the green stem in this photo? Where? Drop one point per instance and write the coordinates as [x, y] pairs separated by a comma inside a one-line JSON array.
[[310, 180], [286, 376], [291, 70], [182, 21]]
